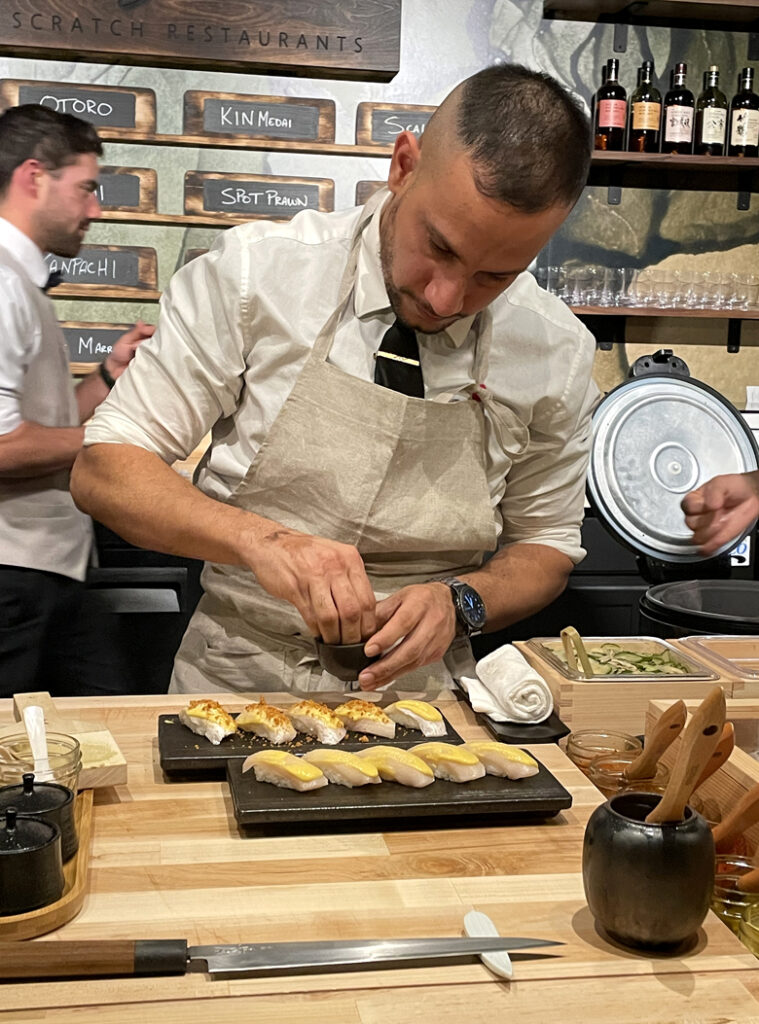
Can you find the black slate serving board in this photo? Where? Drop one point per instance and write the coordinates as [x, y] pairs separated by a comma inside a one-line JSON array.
[[517, 733], [183, 752], [257, 803]]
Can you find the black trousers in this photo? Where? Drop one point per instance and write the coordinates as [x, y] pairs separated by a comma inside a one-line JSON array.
[[47, 642]]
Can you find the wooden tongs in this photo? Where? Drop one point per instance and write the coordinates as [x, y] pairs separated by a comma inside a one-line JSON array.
[[574, 648]]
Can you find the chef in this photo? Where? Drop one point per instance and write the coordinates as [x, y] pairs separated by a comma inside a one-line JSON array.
[[391, 398], [722, 509]]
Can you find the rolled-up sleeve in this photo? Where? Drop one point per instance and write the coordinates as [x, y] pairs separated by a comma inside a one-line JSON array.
[[19, 339], [188, 375]]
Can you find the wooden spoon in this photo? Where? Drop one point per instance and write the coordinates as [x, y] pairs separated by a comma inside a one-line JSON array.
[[722, 752], [699, 740], [666, 730], [749, 882], [742, 816]]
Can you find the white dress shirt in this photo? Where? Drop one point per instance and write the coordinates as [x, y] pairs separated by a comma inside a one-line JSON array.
[[237, 324]]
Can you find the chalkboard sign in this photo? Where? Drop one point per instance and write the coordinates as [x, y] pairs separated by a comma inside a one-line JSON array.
[[259, 117], [366, 189], [379, 124], [127, 188], [91, 343], [118, 270], [192, 254], [255, 195], [111, 109]]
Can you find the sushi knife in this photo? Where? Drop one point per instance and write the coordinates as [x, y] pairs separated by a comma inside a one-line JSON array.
[[173, 956]]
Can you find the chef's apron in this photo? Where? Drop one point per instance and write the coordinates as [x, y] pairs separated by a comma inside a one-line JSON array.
[[401, 479]]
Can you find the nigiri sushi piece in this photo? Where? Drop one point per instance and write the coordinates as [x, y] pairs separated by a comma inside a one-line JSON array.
[[364, 716], [450, 761], [344, 768], [504, 760], [267, 721], [208, 718], [281, 768], [417, 714], [317, 720], [398, 765]]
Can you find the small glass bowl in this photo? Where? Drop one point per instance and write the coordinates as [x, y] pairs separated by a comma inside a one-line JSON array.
[[586, 744], [64, 757], [748, 926], [607, 773], [728, 902]]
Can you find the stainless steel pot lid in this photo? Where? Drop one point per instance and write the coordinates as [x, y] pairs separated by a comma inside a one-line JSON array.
[[654, 439]]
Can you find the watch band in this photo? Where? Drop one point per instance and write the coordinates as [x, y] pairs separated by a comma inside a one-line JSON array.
[[108, 380]]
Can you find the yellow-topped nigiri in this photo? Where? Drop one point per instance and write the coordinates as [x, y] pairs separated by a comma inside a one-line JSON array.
[[504, 760], [267, 721], [417, 714], [317, 720], [364, 716], [343, 768], [450, 761], [398, 765], [281, 768], [208, 718]]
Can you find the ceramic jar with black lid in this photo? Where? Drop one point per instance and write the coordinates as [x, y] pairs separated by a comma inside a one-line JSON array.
[[31, 869], [49, 801]]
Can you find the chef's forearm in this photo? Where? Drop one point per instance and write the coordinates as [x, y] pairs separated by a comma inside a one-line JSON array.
[[140, 497], [519, 581], [32, 450]]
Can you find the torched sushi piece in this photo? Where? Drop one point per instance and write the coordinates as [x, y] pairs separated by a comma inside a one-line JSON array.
[[267, 721], [417, 714], [344, 768], [208, 718], [364, 716], [400, 766], [504, 760], [450, 761], [317, 720], [281, 768]]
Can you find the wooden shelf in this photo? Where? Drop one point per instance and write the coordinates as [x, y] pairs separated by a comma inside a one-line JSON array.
[[665, 171], [230, 142], [731, 14], [657, 311], [184, 220], [94, 293]]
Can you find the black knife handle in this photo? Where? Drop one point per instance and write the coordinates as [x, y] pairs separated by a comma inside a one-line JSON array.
[[160, 956], [105, 958]]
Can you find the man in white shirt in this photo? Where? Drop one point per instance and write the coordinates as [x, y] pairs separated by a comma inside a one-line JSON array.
[[336, 499], [48, 178]]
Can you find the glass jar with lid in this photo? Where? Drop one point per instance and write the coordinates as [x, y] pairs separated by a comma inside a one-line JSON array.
[[63, 754], [585, 744], [607, 773]]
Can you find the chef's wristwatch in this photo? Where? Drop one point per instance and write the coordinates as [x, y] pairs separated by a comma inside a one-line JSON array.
[[468, 605]]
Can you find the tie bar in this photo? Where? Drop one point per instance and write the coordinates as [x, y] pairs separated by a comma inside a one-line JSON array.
[[398, 359]]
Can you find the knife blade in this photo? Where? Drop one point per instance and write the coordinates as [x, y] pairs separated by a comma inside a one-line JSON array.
[[174, 956]]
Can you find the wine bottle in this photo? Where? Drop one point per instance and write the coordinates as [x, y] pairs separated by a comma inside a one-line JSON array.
[[645, 113], [711, 116], [744, 118], [611, 110], [678, 114]]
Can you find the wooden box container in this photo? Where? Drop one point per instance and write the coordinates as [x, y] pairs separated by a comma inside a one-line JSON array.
[[735, 658], [615, 702]]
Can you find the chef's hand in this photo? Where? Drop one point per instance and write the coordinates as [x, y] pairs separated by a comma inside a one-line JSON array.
[[325, 580], [125, 347], [422, 618], [722, 509]]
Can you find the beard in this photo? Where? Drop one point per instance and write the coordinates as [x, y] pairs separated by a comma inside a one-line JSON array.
[[63, 242]]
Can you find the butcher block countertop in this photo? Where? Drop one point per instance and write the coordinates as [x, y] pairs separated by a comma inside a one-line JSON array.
[[168, 861]]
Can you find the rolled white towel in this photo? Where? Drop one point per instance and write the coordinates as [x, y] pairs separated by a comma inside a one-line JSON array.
[[508, 689]]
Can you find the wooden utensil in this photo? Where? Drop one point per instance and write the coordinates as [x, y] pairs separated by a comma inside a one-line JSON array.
[[749, 882], [666, 730], [574, 648], [722, 752], [742, 816], [698, 743]]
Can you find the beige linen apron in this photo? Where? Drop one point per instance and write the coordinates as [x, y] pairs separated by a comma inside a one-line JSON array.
[[402, 479]]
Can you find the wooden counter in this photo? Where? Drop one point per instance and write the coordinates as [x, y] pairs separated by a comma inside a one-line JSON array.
[[168, 862]]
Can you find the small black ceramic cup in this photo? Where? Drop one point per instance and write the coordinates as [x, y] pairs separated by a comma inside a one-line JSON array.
[[46, 800], [31, 870], [345, 661], [648, 886]]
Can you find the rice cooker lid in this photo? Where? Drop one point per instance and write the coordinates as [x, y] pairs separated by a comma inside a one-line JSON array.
[[655, 438]]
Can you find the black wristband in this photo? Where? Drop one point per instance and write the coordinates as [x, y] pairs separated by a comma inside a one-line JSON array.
[[107, 378]]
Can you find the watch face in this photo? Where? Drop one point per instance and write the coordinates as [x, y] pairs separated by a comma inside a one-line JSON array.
[[472, 607]]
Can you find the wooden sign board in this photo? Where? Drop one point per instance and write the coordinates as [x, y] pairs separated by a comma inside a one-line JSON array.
[[111, 109], [379, 124], [122, 269], [128, 188], [192, 254], [259, 117], [357, 39], [90, 343], [366, 189], [255, 195]]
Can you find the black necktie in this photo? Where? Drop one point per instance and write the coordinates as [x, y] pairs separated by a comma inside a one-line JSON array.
[[397, 362], [54, 279]]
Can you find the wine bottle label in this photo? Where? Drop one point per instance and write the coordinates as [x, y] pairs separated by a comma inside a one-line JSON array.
[[713, 125], [678, 124], [646, 117], [744, 128], [612, 113]]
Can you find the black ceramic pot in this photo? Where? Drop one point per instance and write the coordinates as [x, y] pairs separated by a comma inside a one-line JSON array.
[[31, 870], [647, 885], [47, 800], [345, 661]]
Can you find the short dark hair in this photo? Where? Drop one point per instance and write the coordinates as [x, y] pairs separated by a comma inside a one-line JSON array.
[[36, 132], [529, 139]]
